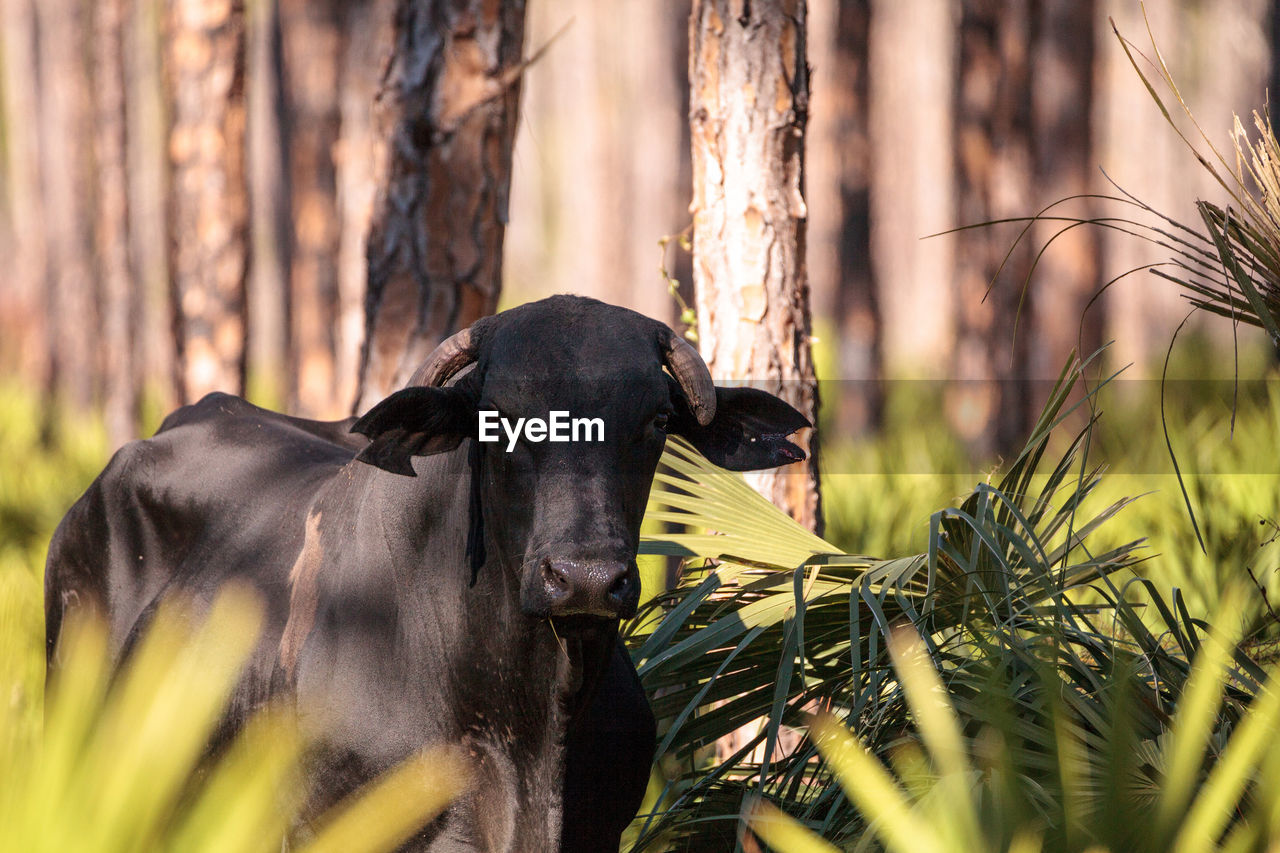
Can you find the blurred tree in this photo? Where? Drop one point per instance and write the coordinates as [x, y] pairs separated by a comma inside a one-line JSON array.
[[267, 373], [313, 43], [860, 345], [991, 406], [120, 293], [1062, 101], [66, 134], [620, 132], [23, 317], [749, 103], [370, 30], [911, 71], [448, 117], [146, 133], [208, 193]]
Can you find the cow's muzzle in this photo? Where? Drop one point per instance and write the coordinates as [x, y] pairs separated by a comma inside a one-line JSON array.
[[583, 587]]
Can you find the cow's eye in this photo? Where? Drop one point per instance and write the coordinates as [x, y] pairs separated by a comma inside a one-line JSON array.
[[660, 421]]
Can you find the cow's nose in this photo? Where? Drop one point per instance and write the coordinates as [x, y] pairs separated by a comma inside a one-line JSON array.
[[592, 587]]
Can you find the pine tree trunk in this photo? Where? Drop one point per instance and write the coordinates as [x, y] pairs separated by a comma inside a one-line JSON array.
[[65, 140], [911, 72], [449, 108], [1066, 276], [24, 325], [843, 116], [208, 193], [154, 347], [267, 361], [749, 101], [313, 46], [119, 307], [991, 408], [370, 31]]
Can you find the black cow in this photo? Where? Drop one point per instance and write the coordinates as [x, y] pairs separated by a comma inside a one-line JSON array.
[[426, 587]]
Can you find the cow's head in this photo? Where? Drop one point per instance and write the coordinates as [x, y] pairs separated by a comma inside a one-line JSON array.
[[570, 511]]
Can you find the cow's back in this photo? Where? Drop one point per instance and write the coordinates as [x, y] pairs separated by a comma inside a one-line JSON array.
[[220, 492]]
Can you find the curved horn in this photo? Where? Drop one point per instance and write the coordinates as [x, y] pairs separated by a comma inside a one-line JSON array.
[[453, 354], [691, 372]]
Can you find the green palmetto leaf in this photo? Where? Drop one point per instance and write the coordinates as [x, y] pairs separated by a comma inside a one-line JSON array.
[[734, 518], [765, 635]]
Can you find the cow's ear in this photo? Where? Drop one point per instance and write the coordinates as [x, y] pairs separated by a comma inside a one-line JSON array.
[[417, 421], [748, 433]]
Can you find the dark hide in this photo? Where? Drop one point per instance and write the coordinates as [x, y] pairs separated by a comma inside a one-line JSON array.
[[423, 587]]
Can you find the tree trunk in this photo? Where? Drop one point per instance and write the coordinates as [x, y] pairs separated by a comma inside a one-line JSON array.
[[991, 406], [154, 348], [1062, 108], [119, 307], [370, 32], [840, 251], [749, 101], [449, 105], [913, 191], [313, 45], [208, 194], [26, 342], [268, 374], [65, 139]]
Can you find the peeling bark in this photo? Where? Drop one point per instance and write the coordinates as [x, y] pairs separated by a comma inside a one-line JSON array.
[[208, 193], [748, 109], [448, 110]]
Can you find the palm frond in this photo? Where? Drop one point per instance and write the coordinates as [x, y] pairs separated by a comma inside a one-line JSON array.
[[768, 635]]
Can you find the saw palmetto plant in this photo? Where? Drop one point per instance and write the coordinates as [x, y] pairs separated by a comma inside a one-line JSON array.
[[1033, 634], [121, 762], [940, 794]]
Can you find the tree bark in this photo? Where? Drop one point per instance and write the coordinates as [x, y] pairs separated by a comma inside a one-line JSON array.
[[313, 42], [991, 406], [119, 305], [1066, 276], [208, 193], [748, 107], [65, 138], [448, 112]]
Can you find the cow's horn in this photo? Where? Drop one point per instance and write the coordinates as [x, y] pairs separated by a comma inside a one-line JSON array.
[[691, 372], [453, 354]]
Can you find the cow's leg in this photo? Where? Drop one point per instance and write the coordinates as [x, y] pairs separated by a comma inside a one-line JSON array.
[[607, 760]]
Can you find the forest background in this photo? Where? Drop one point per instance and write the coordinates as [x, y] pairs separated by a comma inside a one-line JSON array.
[[188, 188], [132, 130]]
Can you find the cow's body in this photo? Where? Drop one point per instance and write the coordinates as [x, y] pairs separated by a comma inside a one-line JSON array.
[[386, 626]]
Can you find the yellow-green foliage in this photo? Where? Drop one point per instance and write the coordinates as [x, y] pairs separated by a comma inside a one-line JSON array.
[[937, 796], [120, 764], [45, 463], [1229, 468]]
